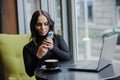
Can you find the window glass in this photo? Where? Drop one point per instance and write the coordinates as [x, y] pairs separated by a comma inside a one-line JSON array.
[[55, 11], [118, 2], [90, 12], [102, 15], [29, 7], [118, 15], [58, 12]]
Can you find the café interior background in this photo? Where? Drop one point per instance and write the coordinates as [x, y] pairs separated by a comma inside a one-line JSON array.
[[82, 23]]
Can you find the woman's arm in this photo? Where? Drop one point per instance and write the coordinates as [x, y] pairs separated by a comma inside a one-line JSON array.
[[30, 60], [61, 50]]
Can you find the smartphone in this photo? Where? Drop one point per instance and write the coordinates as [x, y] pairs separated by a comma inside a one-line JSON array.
[[50, 34]]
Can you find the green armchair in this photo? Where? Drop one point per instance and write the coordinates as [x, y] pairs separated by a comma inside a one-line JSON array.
[[11, 55]]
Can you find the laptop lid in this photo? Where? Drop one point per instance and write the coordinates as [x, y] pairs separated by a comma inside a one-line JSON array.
[[107, 51]]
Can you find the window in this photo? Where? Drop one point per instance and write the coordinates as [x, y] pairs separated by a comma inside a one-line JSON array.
[[55, 12], [118, 2], [88, 42], [58, 11], [118, 15], [25, 11], [90, 12]]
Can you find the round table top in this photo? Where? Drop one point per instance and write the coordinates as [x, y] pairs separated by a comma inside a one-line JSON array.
[[64, 74]]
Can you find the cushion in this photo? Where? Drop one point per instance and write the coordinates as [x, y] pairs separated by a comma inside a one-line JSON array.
[[11, 54]]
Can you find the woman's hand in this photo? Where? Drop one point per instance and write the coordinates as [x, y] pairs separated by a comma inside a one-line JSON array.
[[42, 50], [48, 43]]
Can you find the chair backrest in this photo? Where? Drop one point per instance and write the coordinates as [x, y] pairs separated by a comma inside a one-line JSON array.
[[11, 54]]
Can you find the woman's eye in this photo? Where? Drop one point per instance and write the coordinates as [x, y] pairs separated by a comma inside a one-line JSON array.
[[38, 24], [46, 24]]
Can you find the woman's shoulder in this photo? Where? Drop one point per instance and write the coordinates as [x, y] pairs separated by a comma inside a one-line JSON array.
[[58, 36], [29, 44]]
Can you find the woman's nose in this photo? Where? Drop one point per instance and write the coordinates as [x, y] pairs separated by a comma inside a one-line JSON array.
[[43, 27]]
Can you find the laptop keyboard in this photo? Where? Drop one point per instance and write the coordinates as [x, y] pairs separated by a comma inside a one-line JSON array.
[[91, 65]]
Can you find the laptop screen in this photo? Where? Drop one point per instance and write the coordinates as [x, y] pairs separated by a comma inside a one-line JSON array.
[[107, 51]]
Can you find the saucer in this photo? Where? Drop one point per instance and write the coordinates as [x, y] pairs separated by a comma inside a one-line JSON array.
[[50, 69]]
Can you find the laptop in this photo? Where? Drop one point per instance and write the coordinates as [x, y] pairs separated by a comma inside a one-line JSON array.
[[105, 59]]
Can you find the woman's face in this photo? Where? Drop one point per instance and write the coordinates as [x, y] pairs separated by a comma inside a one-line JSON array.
[[42, 25]]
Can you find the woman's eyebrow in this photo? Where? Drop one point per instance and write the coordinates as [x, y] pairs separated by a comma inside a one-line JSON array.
[[41, 23]]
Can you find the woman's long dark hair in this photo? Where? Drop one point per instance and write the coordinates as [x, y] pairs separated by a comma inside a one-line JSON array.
[[34, 19]]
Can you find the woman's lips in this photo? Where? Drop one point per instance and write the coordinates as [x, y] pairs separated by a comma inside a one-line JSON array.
[[43, 33]]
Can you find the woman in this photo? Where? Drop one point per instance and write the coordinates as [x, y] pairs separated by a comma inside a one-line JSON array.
[[40, 47]]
